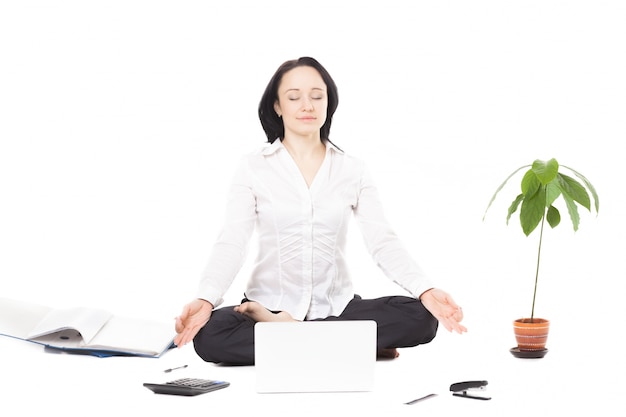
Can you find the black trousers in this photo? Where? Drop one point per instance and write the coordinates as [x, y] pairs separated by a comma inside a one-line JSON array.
[[228, 337]]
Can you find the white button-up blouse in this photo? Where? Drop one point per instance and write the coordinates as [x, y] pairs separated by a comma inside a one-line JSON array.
[[301, 266]]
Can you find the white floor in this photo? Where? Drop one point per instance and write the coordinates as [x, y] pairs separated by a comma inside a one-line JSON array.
[[587, 380]]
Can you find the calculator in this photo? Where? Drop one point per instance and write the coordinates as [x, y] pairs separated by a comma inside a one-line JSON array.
[[187, 386]]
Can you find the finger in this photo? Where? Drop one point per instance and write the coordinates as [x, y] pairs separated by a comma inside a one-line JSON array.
[[452, 303], [457, 318], [178, 325], [452, 324], [183, 336], [458, 314], [448, 324], [178, 340], [185, 313], [191, 332], [184, 339]]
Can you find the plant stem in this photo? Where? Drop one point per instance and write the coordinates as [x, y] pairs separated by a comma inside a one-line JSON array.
[[532, 312]]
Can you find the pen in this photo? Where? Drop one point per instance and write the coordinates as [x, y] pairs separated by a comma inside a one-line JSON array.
[[425, 397], [178, 367]]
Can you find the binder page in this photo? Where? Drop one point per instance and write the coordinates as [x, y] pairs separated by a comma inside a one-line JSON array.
[[18, 318], [86, 321], [133, 335]]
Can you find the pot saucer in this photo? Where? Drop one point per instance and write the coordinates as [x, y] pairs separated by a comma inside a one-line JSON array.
[[525, 354]]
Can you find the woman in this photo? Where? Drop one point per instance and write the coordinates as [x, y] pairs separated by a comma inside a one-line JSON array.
[[299, 192]]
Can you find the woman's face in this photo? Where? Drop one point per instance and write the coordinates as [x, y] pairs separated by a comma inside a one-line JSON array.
[[302, 102]]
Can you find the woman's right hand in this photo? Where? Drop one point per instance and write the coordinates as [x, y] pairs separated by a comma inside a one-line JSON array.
[[194, 316]]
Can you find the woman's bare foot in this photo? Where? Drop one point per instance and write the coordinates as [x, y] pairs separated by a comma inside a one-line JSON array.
[[388, 353], [257, 312]]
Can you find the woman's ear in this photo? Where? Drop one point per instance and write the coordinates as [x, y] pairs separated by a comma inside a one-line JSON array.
[[277, 109]]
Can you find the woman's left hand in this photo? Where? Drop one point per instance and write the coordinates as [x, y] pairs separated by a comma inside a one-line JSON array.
[[442, 306]]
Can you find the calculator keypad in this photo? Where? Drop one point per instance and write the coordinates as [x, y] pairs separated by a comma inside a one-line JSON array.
[[187, 386]]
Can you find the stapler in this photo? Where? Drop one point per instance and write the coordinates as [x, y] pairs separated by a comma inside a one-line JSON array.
[[459, 389]]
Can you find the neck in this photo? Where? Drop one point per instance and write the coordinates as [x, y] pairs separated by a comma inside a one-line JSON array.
[[303, 147]]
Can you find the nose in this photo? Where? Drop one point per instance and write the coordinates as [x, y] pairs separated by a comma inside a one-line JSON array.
[[307, 104]]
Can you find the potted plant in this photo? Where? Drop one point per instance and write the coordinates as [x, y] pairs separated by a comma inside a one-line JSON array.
[[541, 186]]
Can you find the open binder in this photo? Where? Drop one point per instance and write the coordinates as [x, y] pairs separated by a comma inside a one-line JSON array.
[[84, 330]]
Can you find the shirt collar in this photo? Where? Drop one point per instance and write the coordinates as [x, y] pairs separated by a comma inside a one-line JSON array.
[[278, 144]]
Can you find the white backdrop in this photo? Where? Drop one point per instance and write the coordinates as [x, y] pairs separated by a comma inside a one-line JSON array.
[[120, 122]]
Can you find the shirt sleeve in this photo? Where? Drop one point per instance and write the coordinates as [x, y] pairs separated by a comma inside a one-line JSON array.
[[230, 248], [381, 241]]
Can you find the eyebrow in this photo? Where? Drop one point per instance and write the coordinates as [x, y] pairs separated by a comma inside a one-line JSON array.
[[297, 89]]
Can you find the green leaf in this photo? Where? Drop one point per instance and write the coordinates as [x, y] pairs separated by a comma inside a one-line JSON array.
[[553, 191], [572, 209], [530, 183], [532, 210], [500, 188], [572, 188], [541, 186], [545, 170], [553, 217], [589, 186], [513, 207]]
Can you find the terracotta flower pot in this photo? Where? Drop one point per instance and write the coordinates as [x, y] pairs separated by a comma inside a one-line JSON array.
[[531, 335]]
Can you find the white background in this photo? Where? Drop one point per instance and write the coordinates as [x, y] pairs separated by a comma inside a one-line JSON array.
[[120, 122]]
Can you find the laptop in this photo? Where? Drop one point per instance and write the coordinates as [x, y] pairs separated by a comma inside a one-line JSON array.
[[315, 356]]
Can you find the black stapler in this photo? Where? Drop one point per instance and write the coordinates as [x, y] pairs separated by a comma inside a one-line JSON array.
[[459, 389]]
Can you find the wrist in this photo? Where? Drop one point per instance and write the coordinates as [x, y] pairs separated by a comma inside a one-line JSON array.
[[424, 293], [207, 303]]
